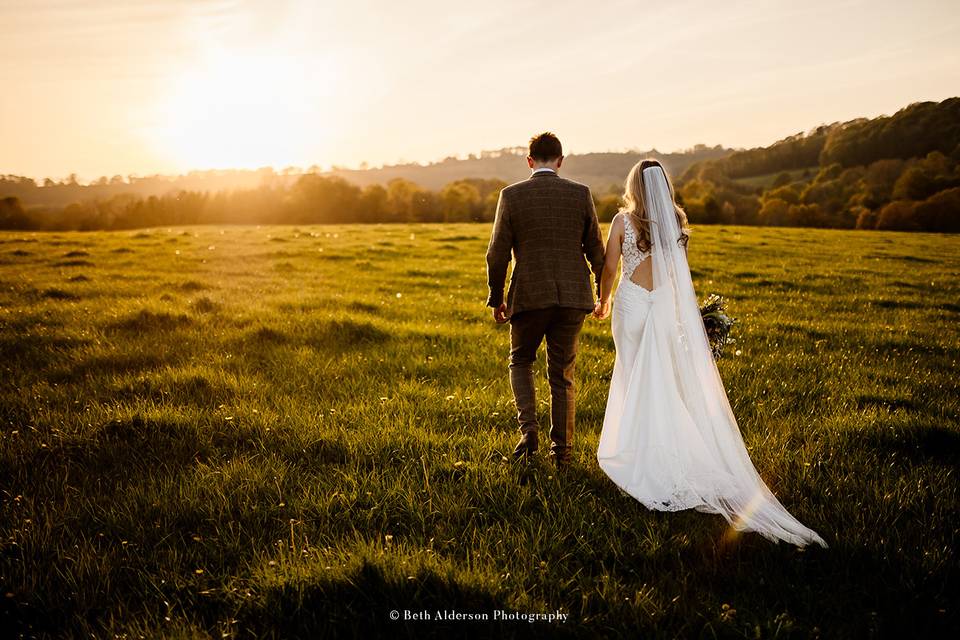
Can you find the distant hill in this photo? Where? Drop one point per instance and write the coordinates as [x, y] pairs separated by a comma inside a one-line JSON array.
[[601, 171], [891, 172], [912, 132]]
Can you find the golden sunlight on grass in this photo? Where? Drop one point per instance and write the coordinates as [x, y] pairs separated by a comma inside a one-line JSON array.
[[262, 440]]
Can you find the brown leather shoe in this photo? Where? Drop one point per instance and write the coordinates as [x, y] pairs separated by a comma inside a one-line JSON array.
[[560, 461], [527, 445]]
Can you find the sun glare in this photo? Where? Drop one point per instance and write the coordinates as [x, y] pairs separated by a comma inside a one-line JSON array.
[[244, 110]]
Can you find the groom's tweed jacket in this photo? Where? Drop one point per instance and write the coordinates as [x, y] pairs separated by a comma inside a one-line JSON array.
[[550, 224]]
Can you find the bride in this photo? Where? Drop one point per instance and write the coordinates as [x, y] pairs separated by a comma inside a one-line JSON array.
[[669, 437]]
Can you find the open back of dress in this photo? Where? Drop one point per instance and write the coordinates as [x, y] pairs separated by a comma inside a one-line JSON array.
[[637, 265]]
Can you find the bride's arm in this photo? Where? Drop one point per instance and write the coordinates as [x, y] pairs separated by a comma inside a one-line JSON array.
[[611, 258]]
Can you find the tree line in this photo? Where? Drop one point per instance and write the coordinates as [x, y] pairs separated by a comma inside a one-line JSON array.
[[899, 172], [599, 170], [311, 199]]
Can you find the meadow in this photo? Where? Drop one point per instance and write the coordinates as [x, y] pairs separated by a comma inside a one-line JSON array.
[[291, 431]]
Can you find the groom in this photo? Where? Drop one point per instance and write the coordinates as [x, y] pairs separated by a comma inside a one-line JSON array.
[[549, 223]]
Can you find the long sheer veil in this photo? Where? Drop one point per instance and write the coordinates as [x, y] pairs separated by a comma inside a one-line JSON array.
[[733, 487]]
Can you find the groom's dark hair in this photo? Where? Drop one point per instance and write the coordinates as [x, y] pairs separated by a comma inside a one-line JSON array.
[[545, 147]]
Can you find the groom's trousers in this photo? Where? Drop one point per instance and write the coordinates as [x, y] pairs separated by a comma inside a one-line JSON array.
[[561, 327]]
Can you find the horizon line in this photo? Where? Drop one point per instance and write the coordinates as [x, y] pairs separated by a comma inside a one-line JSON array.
[[335, 167]]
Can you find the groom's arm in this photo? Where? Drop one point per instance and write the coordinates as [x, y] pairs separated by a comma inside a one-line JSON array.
[[498, 253], [592, 242]]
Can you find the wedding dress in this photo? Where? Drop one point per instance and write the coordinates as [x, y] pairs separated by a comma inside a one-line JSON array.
[[669, 436]]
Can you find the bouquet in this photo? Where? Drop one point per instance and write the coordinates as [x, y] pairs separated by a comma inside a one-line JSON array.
[[717, 323]]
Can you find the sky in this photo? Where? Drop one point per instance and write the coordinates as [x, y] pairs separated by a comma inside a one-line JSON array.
[[168, 86]]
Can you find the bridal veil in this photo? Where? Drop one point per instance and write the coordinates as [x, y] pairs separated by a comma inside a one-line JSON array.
[[671, 439]]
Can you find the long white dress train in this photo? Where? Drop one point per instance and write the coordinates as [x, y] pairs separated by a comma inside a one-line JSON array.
[[669, 437]]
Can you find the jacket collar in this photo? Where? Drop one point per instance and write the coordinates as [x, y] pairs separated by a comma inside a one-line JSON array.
[[540, 174]]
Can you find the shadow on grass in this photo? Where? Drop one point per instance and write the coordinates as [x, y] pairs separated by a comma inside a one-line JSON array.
[[128, 449], [106, 365], [125, 449], [196, 390], [323, 335], [59, 294], [358, 604], [193, 285], [36, 351], [147, 321], [73, 263], [866, 401], [917, 444]]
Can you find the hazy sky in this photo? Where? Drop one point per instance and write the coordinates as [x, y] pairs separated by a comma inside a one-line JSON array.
[[165, 86]]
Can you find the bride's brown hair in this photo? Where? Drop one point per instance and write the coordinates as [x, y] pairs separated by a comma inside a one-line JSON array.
[[633, 206]]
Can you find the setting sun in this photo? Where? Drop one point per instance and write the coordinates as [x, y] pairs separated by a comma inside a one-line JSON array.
[[246, 109]]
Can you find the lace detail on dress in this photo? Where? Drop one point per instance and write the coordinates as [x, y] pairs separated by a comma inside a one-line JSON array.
[[632, 256]]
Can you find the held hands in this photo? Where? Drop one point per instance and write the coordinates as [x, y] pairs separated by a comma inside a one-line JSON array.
[[500, 313], [601, 309]]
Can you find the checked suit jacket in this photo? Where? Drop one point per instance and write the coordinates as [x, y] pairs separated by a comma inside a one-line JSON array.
[[549, 224]]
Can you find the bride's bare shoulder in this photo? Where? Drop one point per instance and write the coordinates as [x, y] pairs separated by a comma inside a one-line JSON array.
[[616, 224]]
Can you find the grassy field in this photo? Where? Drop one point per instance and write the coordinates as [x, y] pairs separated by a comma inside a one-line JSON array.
[[291, 431]]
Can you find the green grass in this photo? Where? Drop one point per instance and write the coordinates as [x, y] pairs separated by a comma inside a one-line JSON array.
[[290, 431]]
